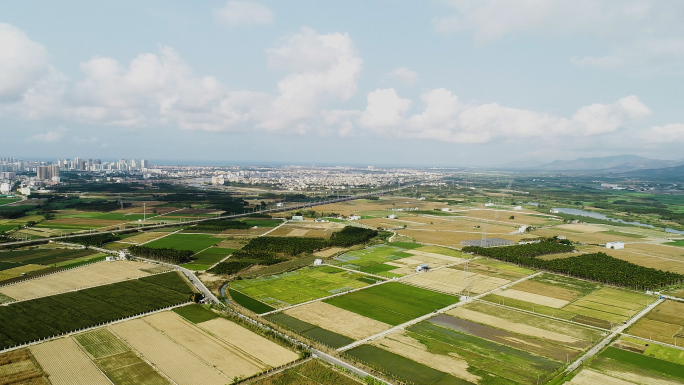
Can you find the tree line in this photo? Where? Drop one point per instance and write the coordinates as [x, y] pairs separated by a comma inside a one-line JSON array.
[[598, 267], [97, 240], [168, 255]]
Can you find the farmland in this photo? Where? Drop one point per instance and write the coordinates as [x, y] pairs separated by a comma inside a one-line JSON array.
[[664, 323], [392, 303], [74, 310], [312, 372], [618, 366], [83, 277], [311, 331], [20, 367], [337, 320], [301, 285], [193, 242], [206, 258], [62, 358]]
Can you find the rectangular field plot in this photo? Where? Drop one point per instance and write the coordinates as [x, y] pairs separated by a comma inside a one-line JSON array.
[[555, 331], [481, 357], [194, 242], [610, 304], [337, 320], [207, 258], [313, 372], [118, 362], [664, 323], [169, 357], [32, 320], [251, 344], [301, 285], [401, 367], [82, 277], [392, 303], [66, 364], [408, 265], [311, 331], [372, 259], [20, 367], [46, 256], [650, 349], [195, 313], [453, 281], [627, 367], [18, 271]]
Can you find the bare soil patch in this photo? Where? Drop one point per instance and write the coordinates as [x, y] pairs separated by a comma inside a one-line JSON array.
[[338, 320]]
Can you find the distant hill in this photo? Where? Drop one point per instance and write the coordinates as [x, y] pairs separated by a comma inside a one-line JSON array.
[[616, 163], [669, 174]]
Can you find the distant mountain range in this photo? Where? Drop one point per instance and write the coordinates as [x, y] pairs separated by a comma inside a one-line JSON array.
[[618, 163]]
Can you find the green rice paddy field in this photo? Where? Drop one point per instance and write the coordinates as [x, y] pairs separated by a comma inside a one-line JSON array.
[[618, 362], [371, 260], [195, 313], [393, 302], [194, 242], [303, 285]]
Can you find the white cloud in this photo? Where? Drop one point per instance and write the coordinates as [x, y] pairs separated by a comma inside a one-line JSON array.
[[47, 137], [244, 14], [669, 133], [643, 56], [323, 67], [404, 75], [445, 119], [23, 62], [385, 109], [492, 19]]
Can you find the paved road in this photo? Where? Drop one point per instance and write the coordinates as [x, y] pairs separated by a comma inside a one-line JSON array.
[[191, 275], [610, 337], [338, 362]]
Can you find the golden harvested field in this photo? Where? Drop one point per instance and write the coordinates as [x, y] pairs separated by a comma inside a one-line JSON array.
[[82, 277], [329, 252], [171, 358], [383, 204], [66, 364], [145, 237], [545, 289], [533, 298], [20, 367], [451, 238], [253, 232], [662, 323], [386, 223], [252, 344], [451, 281], [590, 377], [521, 218], [470, 225], [338, 320], [408, 265], [226, 358], [402, 344], [17, 271], [307, 229]]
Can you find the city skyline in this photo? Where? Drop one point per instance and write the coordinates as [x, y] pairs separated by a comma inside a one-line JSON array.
[[439, 83]]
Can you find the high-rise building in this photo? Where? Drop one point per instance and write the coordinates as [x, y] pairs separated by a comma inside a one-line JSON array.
[[144, 163], [53, 171], [42, 172]]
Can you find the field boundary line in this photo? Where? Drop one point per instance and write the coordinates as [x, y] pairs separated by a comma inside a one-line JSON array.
[[163, 236], [186, 348], [592, 352], [430, 315], [90, 359], [137, 353]]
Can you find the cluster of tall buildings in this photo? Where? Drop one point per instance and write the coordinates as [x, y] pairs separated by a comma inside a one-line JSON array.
[[78, 164]]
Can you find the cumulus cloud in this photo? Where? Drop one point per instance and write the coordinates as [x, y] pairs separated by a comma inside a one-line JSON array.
[[385, 109], [23, 62], [445, 118], [669, 133], [404, 75], [244, 14]]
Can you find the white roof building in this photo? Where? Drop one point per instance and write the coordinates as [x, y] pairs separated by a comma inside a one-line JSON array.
[[615, 245]]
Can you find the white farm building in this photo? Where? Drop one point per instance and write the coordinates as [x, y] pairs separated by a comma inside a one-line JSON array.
[[615, 245]]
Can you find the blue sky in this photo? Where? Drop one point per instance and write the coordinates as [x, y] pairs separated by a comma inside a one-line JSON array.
[[383, 82]]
